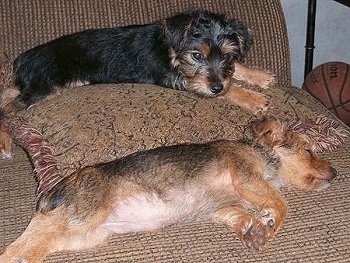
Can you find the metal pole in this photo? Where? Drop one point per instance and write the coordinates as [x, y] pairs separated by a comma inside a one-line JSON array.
[[310, 36]]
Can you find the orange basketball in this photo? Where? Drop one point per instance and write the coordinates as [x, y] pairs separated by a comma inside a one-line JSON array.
[[330, 84]]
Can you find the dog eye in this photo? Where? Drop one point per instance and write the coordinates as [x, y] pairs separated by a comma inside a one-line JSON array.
[[309, 152], [197, 35], [198, 56]]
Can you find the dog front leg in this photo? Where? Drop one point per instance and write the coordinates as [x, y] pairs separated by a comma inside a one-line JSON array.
[[269, 203], [254, 76], [250, 100], [251, 231]]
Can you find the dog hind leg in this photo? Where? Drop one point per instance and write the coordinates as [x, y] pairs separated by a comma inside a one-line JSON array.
[[51, 232]]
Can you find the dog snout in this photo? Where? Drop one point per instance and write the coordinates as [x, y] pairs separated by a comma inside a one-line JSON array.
[[332, 173], [216, 88]]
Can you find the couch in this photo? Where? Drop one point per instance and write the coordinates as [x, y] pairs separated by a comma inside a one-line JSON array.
[[317, 226]]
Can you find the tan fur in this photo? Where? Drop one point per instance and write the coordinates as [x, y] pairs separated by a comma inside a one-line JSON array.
[[254, 76], [247, 99], [8, 95], [204, 49], [230, 182], [5, 142]]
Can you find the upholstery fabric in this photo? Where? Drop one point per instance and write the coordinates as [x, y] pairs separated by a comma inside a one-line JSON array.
[[317, 226]]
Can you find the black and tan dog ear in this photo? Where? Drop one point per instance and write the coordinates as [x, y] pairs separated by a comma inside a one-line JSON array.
[[268, 131], [243, 36], [175, 28]]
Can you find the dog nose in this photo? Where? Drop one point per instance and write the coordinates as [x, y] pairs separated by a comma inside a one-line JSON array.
[[216, 88], [334, 171]]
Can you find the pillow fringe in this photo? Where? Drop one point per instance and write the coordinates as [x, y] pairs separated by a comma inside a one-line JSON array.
[[41, 152]]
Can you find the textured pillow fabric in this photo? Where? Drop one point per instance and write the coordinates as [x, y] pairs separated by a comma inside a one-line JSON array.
[[99, 123]]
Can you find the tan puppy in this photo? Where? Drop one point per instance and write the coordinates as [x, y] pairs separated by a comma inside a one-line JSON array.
[[231, 182]]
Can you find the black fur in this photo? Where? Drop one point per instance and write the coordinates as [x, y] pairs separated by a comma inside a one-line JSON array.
[[134, 54], [140, 167], [2, 113]]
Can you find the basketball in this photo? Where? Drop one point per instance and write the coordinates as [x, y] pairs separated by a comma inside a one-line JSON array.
[[330, 84]]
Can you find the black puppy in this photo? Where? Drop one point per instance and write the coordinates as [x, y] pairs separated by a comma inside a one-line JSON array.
[[193, 51]]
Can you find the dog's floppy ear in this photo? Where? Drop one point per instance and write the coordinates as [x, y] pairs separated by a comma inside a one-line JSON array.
[[243, 36], [176, 28], [268, 131]]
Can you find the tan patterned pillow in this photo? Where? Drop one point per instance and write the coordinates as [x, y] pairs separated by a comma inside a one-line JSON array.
[[99, 123]]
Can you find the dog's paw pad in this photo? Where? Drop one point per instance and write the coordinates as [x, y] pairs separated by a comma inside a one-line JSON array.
[[256, 238]]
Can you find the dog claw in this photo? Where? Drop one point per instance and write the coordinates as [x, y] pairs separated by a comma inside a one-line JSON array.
[[271, 222], [267, 219]]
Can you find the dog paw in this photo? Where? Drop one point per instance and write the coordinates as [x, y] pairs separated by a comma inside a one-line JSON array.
[[254, 76], [266, 216], [5, 155], [4, 259], [264, 79], [256, 237], [258, 102], [273, 218], [247, 99]]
